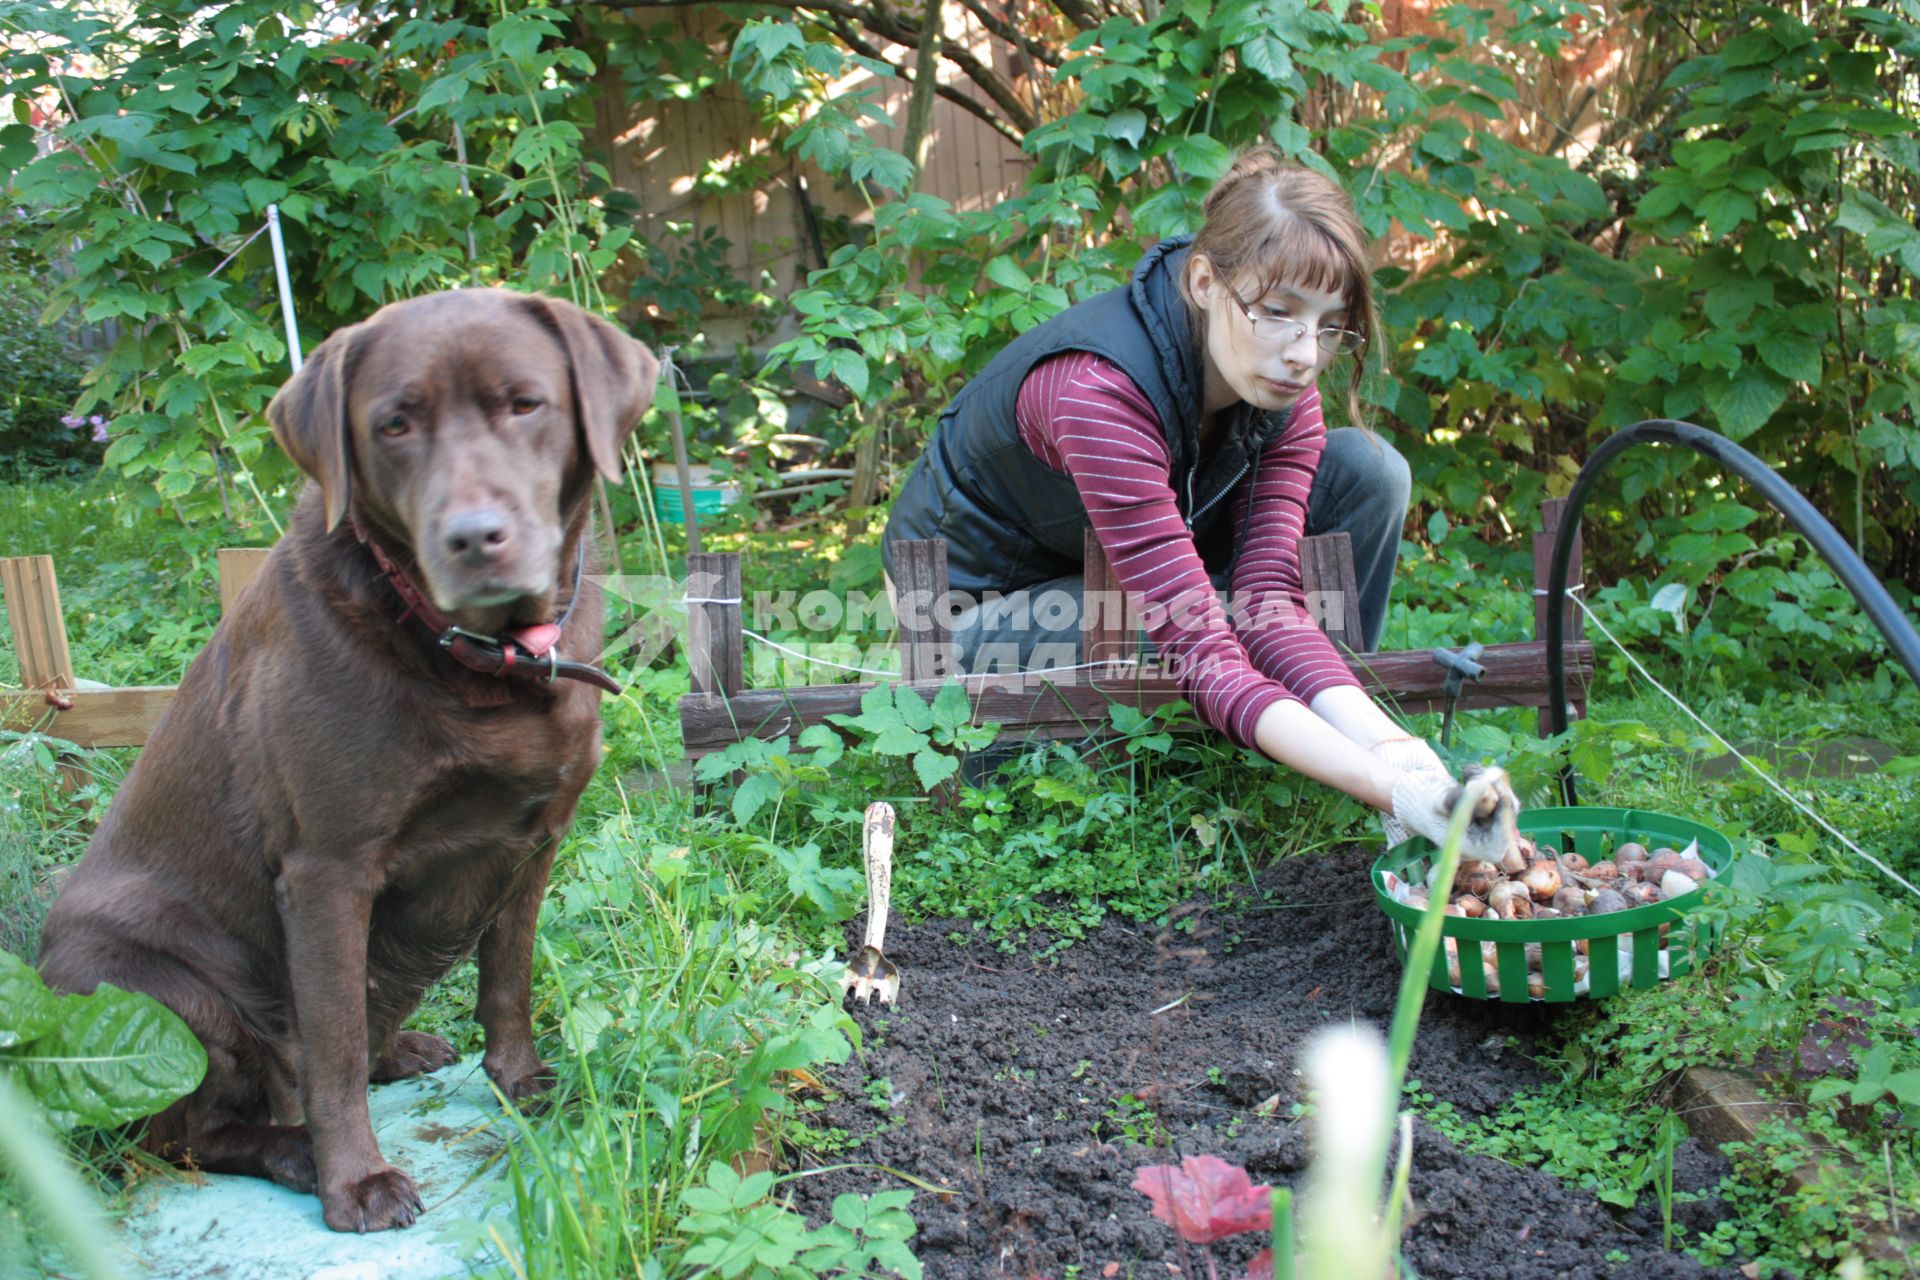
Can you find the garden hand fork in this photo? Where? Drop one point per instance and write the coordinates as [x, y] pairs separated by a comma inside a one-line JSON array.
[[870, 973]]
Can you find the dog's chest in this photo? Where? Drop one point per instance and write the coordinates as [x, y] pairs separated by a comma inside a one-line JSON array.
[[492, 795]]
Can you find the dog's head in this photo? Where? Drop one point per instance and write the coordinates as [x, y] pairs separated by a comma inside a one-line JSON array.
[[469, 425]]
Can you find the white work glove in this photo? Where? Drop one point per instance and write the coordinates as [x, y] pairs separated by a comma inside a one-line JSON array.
[[1424, 796]]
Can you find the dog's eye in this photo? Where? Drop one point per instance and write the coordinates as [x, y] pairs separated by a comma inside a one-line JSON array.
[[523, 405], [394, 424]]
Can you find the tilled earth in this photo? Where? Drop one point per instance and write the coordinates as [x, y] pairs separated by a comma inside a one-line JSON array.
[[1032, 1088]]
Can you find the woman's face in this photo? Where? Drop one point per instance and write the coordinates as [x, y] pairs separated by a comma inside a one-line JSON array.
[[1244, 366]]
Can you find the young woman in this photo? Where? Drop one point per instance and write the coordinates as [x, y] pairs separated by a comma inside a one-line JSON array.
[[1180, 418]]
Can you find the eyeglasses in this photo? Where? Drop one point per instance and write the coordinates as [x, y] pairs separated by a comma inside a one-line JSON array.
[[1283, 332]]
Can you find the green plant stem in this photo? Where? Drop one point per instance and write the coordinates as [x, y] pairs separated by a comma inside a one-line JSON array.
[[1283, 1233], [1419, 964], [36, 1163]]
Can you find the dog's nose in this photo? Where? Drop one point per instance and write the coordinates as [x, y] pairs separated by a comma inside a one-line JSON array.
[[476, 537]]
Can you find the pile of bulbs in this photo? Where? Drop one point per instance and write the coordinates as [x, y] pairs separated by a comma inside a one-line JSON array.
[[1537, 882]]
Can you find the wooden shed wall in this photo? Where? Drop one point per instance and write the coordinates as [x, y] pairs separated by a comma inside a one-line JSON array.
[[658, 150]]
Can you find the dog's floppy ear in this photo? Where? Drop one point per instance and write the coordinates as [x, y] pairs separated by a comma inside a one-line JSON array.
[[309, 416], [613, 379]]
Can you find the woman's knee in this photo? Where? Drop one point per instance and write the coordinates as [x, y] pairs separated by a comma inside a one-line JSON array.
[[1370, 468]]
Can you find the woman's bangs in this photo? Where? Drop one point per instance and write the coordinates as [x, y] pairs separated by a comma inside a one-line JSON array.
[[1305, 257]]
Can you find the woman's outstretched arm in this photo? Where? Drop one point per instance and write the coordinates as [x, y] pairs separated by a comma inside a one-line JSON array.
[[1293, 734]]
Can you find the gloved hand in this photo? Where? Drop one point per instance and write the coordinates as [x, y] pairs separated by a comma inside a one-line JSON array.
[[1425, 794]]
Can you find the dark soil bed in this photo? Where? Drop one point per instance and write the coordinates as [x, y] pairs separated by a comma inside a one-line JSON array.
[[1008, 1079]]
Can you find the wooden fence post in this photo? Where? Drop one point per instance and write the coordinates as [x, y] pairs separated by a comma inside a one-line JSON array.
[[32, 592], [1326, 571], [714, 631], [39, 627], [238, 566], [919, 576], [1109, 638]]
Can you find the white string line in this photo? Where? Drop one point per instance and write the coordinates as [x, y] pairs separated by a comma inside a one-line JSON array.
[[258, 232], [1760, 773], [869, 671]]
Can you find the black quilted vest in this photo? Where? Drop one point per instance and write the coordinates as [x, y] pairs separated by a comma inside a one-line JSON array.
[[1010, 520]]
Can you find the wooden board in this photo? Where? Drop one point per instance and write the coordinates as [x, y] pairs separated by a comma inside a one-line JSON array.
[[1722, 1105], [99, 717], [1516, 677]]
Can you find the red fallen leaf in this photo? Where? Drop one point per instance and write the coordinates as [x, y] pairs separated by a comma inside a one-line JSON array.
[[1261, 1268], [1205, 1198]]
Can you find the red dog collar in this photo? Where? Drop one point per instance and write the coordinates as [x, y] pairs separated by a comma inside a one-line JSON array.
[[524, 653]]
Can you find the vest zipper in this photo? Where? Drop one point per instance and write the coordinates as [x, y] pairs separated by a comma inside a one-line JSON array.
[[1216, 497]]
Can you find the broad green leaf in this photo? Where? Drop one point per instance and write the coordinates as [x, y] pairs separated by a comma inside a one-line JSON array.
[[1268, 55], [951, 706], [1006, 273], [898, 740], [1729, 304], [17, 148], [1725, 210], [933, 768], [1744, 402], [826, 744], [849, 367], [913, 709], [115, 1056], [1202, 157], [1751, 49], [1905, 1088], [1129, 125], [27, 1009], [753, 794], [1791, 355]]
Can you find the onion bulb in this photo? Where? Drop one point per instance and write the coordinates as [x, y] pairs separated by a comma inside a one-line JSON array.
[[1542, 880]]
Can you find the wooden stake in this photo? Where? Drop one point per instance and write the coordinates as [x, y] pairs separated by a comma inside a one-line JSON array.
[[1575, 631]]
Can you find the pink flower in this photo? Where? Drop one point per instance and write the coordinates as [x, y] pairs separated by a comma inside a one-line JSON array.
[[1205, 1199], [99, 429], [72, 421], [1261, 1268]]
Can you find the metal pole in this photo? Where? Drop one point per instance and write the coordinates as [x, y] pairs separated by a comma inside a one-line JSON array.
[[286, 286]]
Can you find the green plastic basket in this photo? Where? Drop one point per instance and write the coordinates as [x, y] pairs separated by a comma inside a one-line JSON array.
[[1593, 833]]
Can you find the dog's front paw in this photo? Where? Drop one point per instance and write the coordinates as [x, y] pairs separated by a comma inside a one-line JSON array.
[[412, 1053], [522, 1077], [378, 1202]]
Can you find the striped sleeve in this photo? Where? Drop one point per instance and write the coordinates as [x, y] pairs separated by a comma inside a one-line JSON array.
[[1270, 606], [1079, 414]]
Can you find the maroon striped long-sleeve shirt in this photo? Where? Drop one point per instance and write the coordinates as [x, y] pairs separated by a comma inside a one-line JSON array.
[[1082, 416]]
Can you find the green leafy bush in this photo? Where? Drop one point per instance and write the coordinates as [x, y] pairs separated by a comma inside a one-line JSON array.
[[39, 373]]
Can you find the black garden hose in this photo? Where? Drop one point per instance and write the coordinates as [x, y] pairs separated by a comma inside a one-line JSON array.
[[1814, 527]]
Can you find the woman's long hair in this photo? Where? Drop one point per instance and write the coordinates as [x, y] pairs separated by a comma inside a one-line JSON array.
[[1275, 223]]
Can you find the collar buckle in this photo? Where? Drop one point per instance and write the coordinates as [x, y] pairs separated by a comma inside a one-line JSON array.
[[452, 633]]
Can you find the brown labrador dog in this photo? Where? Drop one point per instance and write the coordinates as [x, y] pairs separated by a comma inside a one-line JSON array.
[[343, 801]]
